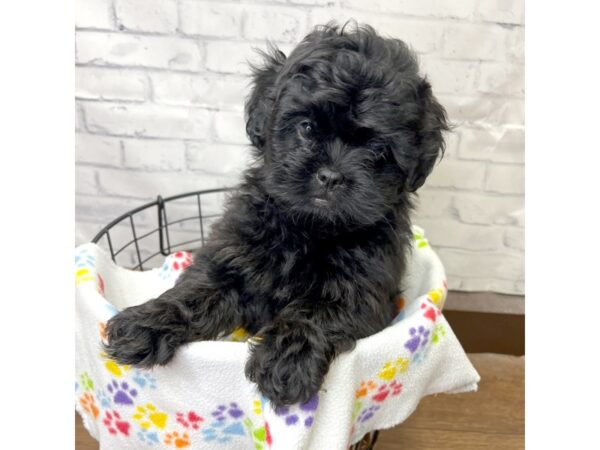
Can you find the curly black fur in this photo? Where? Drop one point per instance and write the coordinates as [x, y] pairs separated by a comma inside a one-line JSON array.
[[311, 249]]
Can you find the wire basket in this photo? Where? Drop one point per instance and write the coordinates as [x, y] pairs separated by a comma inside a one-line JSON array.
[[134, 240]]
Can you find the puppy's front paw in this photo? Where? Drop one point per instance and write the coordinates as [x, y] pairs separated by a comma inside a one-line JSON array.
[[135, 338], [289, 363]]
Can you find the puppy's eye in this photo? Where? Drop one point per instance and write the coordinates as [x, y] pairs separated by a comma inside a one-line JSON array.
[[306, 128]]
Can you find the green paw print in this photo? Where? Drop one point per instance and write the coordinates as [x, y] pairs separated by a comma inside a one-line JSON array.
[[438, 333], [420, 240], [259, 435], [86, 382], [356, 410]]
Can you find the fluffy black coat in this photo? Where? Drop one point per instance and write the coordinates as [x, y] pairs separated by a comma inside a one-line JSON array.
[[311, 249]]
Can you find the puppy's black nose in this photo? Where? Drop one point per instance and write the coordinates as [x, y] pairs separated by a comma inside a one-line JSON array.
[[329, 178]]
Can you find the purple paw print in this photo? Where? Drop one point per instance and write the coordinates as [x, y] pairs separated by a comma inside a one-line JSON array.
[[419, 338], [367, 413], [223, 411], [306, 410], [122, 393]]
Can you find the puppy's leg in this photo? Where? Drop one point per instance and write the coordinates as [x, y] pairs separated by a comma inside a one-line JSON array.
[[198, 307], [290, 360]]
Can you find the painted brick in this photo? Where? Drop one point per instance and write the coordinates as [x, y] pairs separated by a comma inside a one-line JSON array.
[[236, 60], [457, 174], [499, 144], [210, 19], [507, 179], [154, 154], [101, 150], [475, 42], [110, 84], [230, 127], [501, 78], [147, 120], [218, 158], [128, 183], [275, 24], [93, 14], [147, 15], [214, 91], [446, 76], [428, 8], [483, 208], [506, 266], [501, 11], [432, 204], [515, 238], [452, 234], [85, 180], [140, 51]]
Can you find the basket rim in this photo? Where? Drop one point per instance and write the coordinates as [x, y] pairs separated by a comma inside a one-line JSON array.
[[158, 201]]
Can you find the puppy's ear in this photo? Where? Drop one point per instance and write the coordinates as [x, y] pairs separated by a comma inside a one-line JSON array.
[[262, 96], [430, 139]]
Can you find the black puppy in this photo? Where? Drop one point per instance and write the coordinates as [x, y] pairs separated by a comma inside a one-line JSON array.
[[311, 249]]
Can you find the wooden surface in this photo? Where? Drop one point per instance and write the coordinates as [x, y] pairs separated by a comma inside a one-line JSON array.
[[491, 419]]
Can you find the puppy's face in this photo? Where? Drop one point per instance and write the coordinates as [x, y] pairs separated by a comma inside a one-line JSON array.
[[345, 126]]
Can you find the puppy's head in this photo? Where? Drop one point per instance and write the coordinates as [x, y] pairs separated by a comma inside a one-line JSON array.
[[345, 126]]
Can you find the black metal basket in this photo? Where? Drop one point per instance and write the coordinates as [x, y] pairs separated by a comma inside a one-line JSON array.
[[182, 222], [140, 245]]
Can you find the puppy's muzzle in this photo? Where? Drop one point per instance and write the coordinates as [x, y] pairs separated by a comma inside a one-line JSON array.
[[329, 179]]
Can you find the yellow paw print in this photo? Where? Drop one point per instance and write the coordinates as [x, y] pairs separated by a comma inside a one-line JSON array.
[[437, 297], [82, 275], [256, 407], [177, 440], [149, 416], [390, 369], [239, 335], [114, 367]]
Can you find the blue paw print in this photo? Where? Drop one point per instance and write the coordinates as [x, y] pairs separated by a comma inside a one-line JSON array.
[[111, 309], [76, 387], [148, 437], [84, 259], [226, 424], [144, 379], [104, 399]]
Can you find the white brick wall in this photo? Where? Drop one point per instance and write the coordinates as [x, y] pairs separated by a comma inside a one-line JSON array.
[[159, 109]]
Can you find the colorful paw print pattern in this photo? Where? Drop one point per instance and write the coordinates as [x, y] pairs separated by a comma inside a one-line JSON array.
[[258, 428], [226, 425], [299, 414], [115, 424], [122, 393], [189, 420], [430, 311], [419, 337], [85, 267], [419, 238], [143, 379], [149, 417], [175, 263], [177, 440], [88, 403]]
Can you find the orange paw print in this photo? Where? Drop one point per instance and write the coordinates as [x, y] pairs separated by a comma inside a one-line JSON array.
[[102, 330], [88, 403], [365, 388], [177, 440]]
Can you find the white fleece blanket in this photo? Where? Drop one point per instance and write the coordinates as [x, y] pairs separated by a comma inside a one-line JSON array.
[[202, 400]]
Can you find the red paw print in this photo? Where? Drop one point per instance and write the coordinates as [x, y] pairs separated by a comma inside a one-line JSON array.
[[182, 260], [381, 393], [431, 312], [189, 420], [114, 423], [396, 387]]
